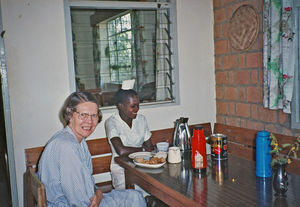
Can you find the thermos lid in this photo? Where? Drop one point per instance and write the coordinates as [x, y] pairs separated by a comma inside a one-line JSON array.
[[198, 127], [263, 133]]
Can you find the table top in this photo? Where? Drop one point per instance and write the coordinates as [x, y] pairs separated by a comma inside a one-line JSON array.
[[230, 182]]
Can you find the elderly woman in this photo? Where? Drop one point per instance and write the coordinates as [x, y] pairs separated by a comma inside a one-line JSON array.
[[127, 132], [65, 166]]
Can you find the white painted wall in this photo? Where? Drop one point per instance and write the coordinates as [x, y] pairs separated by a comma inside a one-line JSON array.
[[38, 75]]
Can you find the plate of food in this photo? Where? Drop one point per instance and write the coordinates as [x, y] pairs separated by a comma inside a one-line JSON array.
[[148, 155], [149, 162]]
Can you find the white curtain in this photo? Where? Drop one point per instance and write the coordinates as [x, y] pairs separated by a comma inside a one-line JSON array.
[[278, 54]]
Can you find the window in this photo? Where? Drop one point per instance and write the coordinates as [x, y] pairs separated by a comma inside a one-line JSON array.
[[119, 49], [295, 115], [117, 41]]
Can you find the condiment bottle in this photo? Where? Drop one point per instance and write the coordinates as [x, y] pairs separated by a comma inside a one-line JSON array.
[[263, 156], [199, 162]]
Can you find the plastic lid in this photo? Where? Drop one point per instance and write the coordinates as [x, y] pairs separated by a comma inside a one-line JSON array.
[[263, 133], [198, 127]]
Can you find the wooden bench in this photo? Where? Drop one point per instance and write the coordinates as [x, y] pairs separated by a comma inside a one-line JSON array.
[[101, 157], [242, 142], [37, 188]]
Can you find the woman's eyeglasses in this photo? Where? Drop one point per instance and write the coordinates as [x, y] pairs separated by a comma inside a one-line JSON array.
[[85, 116]]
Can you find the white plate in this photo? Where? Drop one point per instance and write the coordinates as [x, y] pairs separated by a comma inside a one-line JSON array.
[[148, 165], [139, 154], [148, 154]]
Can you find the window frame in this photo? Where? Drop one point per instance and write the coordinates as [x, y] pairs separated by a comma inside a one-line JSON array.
[[84, 4], [117, 50]]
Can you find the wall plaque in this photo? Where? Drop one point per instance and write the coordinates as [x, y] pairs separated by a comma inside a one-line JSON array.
[[243, 27]]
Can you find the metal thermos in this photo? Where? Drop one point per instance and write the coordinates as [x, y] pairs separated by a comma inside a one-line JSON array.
[[182, 136], [263, 156]]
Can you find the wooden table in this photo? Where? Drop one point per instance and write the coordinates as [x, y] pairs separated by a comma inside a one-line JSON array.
[[226, 183]]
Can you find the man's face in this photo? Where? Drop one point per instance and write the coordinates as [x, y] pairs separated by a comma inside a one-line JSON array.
[[84, 120], [131, 107]]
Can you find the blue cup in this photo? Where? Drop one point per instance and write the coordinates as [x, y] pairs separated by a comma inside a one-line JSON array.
[[263, 156]]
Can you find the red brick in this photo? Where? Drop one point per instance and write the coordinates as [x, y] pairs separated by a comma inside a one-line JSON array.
[[224, 2], [221, 77], [255, 125], [267, 115], [231, 49], [232, 108], [218, 62], [242, 94], [260, 40], [218, 31], [229, 12], [254, 4], [237, 5], [283, 117], [231, 93], [244, 123], [220, 47], [219, 15], [233, 121], [273, 128], [254, 45], [243, 110], [225, 29], [243, 77], [254, 60], [231, 75], [260, 6], [261, 77], [219, 92], [242, 63], [254, 77], [220, 119], [254, 94], [230, 61], [254, 111], [217, 3], [222, 108]]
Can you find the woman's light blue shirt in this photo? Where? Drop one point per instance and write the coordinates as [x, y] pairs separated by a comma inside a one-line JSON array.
[[65, 168]]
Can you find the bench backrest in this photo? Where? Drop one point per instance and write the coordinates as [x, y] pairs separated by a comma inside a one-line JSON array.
[[101, 146], [96, 147], [242, 142], [101, 157]]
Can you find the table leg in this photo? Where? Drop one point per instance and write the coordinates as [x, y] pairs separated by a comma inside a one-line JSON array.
[[128, 185]]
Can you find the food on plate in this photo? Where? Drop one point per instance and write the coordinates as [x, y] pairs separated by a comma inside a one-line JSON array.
[[161, 154], [151, 161]]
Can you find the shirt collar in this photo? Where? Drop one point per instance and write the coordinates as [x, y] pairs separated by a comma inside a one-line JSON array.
[[68, 129]]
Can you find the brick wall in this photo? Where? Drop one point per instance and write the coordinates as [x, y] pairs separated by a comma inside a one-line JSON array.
[[239, 77]]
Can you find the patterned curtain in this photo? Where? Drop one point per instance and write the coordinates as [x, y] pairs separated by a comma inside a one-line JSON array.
[[278, 54]]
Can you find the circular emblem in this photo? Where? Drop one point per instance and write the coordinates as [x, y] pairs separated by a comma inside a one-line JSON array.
[[243, 27]]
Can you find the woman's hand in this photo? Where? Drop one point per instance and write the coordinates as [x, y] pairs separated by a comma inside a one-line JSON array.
[[96, 199]]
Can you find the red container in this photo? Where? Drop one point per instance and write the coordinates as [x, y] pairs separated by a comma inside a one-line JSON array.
[[199, 161]]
